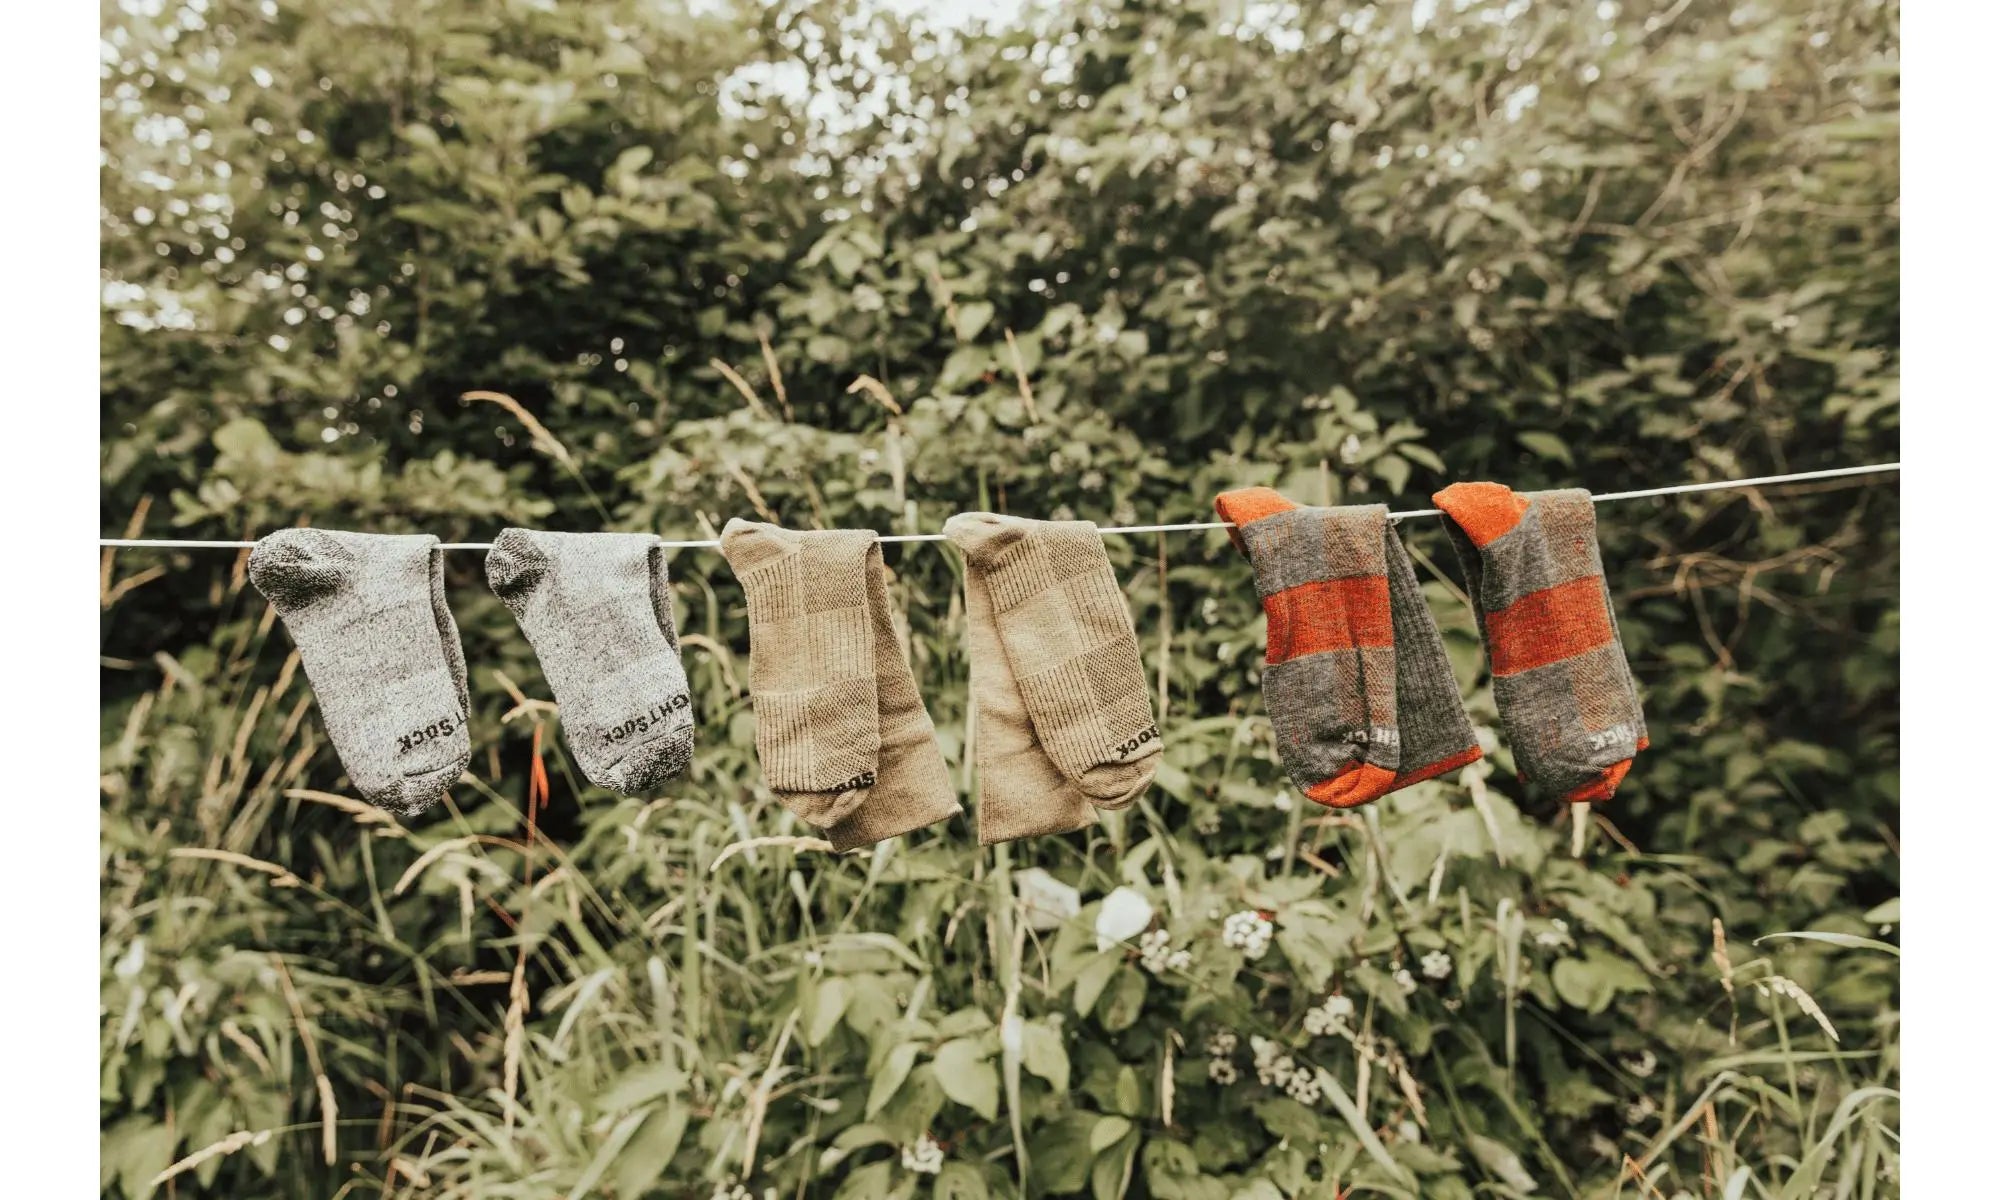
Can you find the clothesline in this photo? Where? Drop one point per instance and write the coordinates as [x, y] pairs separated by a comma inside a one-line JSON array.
[[1184, 527]]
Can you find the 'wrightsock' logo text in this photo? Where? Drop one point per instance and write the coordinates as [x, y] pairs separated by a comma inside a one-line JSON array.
[[654, 716], [1149, 734], [1617, 737], [406, 742]]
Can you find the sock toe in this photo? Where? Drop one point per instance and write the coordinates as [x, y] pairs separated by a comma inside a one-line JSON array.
[[417, 791], [1603, 787], [1352, 786], [1484, 511], [1117, 785], [649, 765]]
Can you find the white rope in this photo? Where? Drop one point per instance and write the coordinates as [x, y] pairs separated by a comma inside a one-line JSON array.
[[1186, 527]]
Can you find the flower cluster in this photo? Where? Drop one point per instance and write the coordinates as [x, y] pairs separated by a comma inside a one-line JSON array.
[[926, 1157], [1330, 1016], [724, 1191], [1277, 1069], [1156, 956], [1437, 965], [1221, 1066], [1248, 931]]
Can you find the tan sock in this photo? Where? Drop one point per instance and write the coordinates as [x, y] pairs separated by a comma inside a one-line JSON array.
[[1021, 793], [841, 730], [1067, 634]]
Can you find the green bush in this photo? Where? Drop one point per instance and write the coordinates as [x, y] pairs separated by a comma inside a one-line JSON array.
[[813, 263]]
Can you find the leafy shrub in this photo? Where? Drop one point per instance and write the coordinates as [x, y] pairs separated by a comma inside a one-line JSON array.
[[1106, 261]]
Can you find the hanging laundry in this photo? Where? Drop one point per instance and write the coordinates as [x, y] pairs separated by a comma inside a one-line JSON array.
[[1065, 724], [598, 610], [842, 733], [1560, 678], [1359, 690], [381, 651]]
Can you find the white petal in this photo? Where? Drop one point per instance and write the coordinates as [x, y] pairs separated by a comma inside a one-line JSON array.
[[1125, 914], [1048, 900]]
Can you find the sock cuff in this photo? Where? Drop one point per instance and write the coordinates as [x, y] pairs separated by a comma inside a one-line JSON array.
[[1482, 511], [1242, 507]]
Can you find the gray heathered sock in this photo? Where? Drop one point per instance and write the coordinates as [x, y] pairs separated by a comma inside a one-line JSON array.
[[379, 646], [598, 610]]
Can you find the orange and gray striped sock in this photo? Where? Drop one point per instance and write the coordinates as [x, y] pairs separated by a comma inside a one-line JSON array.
[[1359, 690], [1560, 679]]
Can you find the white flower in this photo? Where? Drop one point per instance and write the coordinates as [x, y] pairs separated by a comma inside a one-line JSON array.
[[1643, 1065], [1405, 980], [1221, 1043], [1555, 936], [1641, 1112], [1304, 1087], [1282, 800], [1046, 900], [925, 1158], [1437, 965], [1156, 955], [1222, 1071], [1126, 912], [1330, 1016], [725, 1191], [1274, 1067], [1248, 931]]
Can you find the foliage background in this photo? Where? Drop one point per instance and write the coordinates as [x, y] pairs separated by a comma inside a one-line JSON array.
[[1102, 259]]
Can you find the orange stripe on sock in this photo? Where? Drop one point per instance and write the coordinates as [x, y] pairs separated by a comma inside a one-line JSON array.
[[1245, 505], [1548, 626], [1328, 614], [1603, 787], [1483, 510], [1463, 758], [1354, 784]]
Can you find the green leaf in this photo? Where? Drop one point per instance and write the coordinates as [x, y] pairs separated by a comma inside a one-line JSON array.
[[1313, 941], [608, 1152], [1107, 1132], [1127, 999], [829, 1002], [1836, 939], [247, 439], [967, 1077], [646, 1156], [1042, 1053], [866, 1183], [973, 318], [959, 1181], [1392, 471], [895, 1069], [1889, 912], [1091, 980], [1546, 445], [1060, 1152], [1591, 982]]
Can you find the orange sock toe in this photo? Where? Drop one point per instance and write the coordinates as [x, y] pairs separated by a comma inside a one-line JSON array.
[[1353, 785]]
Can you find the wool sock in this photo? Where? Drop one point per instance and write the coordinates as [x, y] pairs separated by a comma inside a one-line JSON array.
[[381, 651], [842, 733], [1560, 679], [1359, 690], [1021, 793], [1061, 619], [598, 609]]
